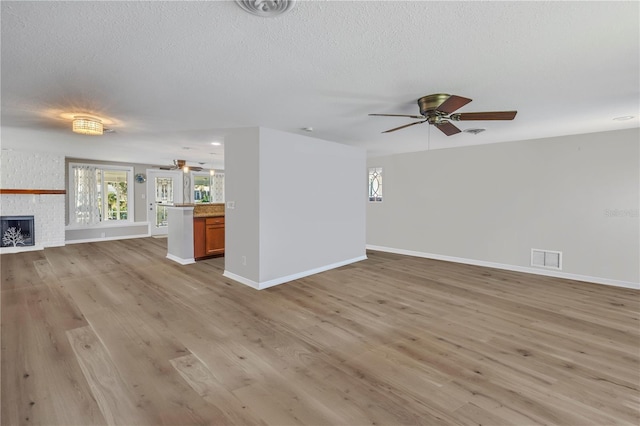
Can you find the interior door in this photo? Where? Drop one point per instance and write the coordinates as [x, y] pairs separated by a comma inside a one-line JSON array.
[[164, 189]]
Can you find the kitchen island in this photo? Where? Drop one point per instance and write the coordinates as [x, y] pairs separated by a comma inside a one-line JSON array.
[[208, 230], [196, 231]]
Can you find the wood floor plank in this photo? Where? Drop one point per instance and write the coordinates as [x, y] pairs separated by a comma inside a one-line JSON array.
[[44, 374], [200, 378], [117, 404], [590, 392], [471, 414], [142, 354], [114, 333], [18, 270], [274, 412], [368, 399]]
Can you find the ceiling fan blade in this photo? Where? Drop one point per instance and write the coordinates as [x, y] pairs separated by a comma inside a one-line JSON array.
[[453, 103], [195, 169], [495, 115], [447, 128], [402, 127], [398, 115]]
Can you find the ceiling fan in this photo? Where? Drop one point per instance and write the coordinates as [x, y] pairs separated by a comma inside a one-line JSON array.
[[437, 110], [179, 165]]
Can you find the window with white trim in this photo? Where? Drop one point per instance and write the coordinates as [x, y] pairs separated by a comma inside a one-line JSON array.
[[201, 187], [217, 188], [375, 184], [100, 193], [208, 187]]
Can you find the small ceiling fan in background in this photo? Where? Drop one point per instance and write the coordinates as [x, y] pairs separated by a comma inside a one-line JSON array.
[[180, 165], [438, 109]]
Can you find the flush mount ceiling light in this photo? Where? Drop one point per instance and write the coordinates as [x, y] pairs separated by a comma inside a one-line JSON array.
[[266, 8], [624, 118], [87, 125]]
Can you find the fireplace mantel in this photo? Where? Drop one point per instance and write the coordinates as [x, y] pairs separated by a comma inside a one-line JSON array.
[[33, 191]]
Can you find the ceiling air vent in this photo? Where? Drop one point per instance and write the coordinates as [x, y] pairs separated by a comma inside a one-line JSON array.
[[546, 259], [474, 131], [266, 8]]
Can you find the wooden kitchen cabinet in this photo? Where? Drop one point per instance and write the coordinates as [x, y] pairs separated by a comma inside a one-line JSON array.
[[214, 235], [208, 236], [199, 245]]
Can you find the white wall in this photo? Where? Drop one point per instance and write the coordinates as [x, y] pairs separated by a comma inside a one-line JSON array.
[[111, 231], [491, 204], [139, 189], [312, 204], [29, 170], [242, 186], [310, 207]]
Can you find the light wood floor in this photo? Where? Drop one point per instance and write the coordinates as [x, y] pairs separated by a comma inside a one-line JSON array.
[[113, 333]]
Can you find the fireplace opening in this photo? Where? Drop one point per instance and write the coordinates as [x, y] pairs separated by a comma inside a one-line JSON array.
[[17, 231]]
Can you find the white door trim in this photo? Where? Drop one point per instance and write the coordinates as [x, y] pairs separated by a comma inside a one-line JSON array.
[[151, 204]]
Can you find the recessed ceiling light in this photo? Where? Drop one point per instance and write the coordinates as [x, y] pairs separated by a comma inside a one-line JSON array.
[[624, 118], [308, 129], [186, 147], [216, 143]]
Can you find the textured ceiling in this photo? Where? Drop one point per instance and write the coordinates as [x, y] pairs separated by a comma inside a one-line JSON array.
[[176, 75]]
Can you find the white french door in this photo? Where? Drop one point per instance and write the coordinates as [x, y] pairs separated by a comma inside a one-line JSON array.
[[164, 188]]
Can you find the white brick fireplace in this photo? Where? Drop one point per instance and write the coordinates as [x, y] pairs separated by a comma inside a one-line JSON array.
[[34, 171]]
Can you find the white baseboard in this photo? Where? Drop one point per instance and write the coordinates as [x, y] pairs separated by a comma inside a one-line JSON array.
[[54, 245], [96, 240], [180, 260], [36, 247], [281, 280], [241, 280], [20, 249], [106, 225], [525, 269]]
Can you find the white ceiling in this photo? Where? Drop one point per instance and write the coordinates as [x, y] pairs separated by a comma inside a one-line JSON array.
[[170, 75]]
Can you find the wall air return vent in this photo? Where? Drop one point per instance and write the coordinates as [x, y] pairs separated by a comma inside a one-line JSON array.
[[546, 259]]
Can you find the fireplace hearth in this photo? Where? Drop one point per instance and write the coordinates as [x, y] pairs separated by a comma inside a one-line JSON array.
[[17, 231]]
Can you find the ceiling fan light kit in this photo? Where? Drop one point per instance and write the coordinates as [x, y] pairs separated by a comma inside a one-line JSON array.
[[437, 110], [181, 165]]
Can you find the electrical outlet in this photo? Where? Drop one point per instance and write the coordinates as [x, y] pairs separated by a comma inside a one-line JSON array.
[[231, 205]]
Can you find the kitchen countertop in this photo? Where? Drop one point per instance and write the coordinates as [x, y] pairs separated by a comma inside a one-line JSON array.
[[205, 209], [208, 210]]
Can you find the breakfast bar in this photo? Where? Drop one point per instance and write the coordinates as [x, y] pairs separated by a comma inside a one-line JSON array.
[[196, 231]]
